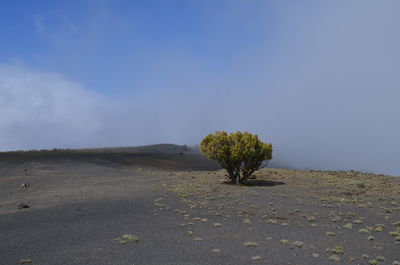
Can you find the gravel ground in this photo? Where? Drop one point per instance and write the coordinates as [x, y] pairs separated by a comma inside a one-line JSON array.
[[123, 206]]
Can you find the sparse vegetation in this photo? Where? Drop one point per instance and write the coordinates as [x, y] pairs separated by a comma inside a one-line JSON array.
[[250, 244], [203, 210], [334, 258], [126, 239], [360, 184], [240, 154], [25, 261], [283, 241]]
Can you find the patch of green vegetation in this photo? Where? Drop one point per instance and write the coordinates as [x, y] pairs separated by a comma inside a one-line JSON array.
[[283, 241], [247, 221], [394, 233], [215, 250], [363, 231], [348, 226], [315, 255], [336, 219], [127, 238], [311, 219], [25, 261], [373, 262], [218, 225], [379, 228], [250, 244], [330, 234], [338, 250], [360, 184]]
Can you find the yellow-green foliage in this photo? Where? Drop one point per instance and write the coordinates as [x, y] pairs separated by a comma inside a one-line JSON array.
[[241, 154], [126, 239]]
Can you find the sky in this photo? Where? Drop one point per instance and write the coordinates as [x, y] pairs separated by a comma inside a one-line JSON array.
[[320, 80]]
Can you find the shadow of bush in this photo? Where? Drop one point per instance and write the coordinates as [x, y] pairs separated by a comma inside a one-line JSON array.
[[258, 183]]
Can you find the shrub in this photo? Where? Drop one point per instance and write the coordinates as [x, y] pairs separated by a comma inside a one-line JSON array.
[[360, 184], [240, 154]]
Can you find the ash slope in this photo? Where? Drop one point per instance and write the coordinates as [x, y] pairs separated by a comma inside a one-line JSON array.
[[82, 203]]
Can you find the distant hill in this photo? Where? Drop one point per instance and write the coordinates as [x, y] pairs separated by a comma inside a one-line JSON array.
[[162, 156]]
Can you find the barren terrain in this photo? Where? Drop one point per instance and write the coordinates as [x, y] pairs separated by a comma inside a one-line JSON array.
[[164, 205]]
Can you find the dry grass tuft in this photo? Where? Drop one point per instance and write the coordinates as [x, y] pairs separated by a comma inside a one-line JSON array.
[[250, 244], [127, 238]]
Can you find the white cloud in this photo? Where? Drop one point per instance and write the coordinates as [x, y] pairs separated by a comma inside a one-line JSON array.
[[45, 110]]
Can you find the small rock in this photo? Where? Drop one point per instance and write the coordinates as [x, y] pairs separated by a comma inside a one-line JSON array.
[[311, 219], [298, 244], [334, 258], [23, 205], [24, 185]]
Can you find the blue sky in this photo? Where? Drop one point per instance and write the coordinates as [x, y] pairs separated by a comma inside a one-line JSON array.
[[318, 79], [126, 40]]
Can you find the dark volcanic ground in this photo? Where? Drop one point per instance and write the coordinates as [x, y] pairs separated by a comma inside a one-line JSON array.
[[82, 203]]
